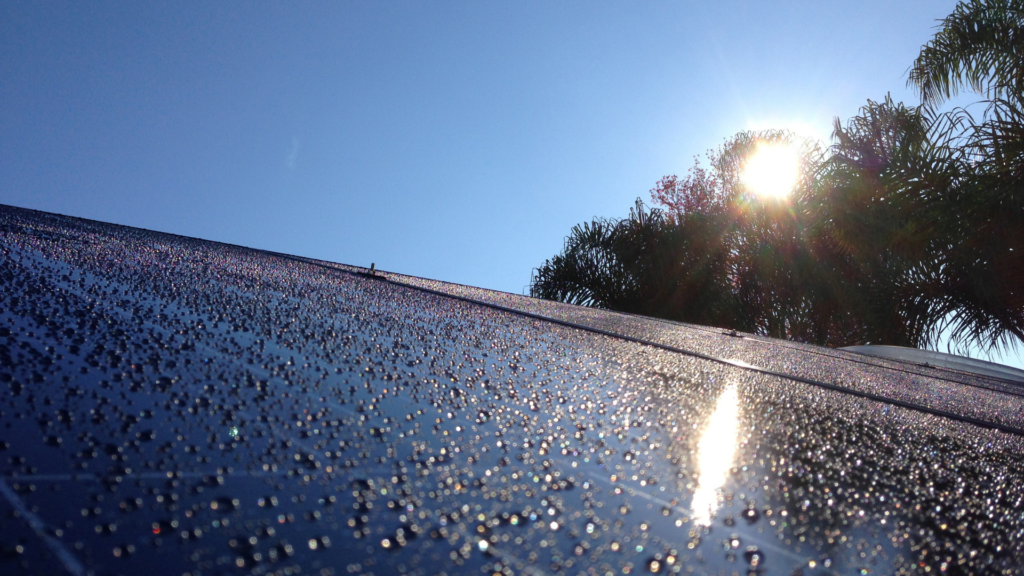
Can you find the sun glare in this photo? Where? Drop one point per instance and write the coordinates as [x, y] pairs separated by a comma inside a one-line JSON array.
[[772, 170], [715, 453]]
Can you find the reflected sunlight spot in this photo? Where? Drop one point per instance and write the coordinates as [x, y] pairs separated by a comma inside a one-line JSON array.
[[772, 170], [715, 455]]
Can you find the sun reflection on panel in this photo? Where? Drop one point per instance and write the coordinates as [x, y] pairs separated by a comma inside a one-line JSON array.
[[715, 454]]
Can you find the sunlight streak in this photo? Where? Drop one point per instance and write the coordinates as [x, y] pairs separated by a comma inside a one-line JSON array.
[[715, 455]]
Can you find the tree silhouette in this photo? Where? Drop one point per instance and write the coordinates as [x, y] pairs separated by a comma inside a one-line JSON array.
[[980, 47], [645, 264]]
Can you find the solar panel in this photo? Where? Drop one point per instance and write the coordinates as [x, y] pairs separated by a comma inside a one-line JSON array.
[[177, 406]]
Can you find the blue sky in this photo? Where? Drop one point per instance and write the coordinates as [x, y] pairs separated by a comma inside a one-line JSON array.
[[452, 140]]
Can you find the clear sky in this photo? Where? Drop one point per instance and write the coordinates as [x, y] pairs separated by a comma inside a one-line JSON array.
[[453, 140]]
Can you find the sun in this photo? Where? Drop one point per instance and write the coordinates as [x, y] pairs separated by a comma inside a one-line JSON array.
[[772, 171]]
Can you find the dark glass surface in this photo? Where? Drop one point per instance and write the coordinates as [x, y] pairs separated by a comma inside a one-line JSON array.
[[175, 406]]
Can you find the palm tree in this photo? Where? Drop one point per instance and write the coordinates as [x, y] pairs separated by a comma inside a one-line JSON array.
[[980, 46], [981, 213], [870, 207], [645, 264]]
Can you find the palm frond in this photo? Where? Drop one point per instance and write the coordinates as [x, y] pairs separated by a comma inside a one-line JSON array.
[[979, 46]]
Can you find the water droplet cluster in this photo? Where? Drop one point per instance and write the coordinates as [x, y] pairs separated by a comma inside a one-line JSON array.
[[983, 398], [175, 406]]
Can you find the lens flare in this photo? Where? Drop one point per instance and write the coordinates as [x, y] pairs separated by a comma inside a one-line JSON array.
[[715, 453], [772, 171]]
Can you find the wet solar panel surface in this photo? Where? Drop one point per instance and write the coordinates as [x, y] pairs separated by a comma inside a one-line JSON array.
[[961, 394], [176, 406]]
